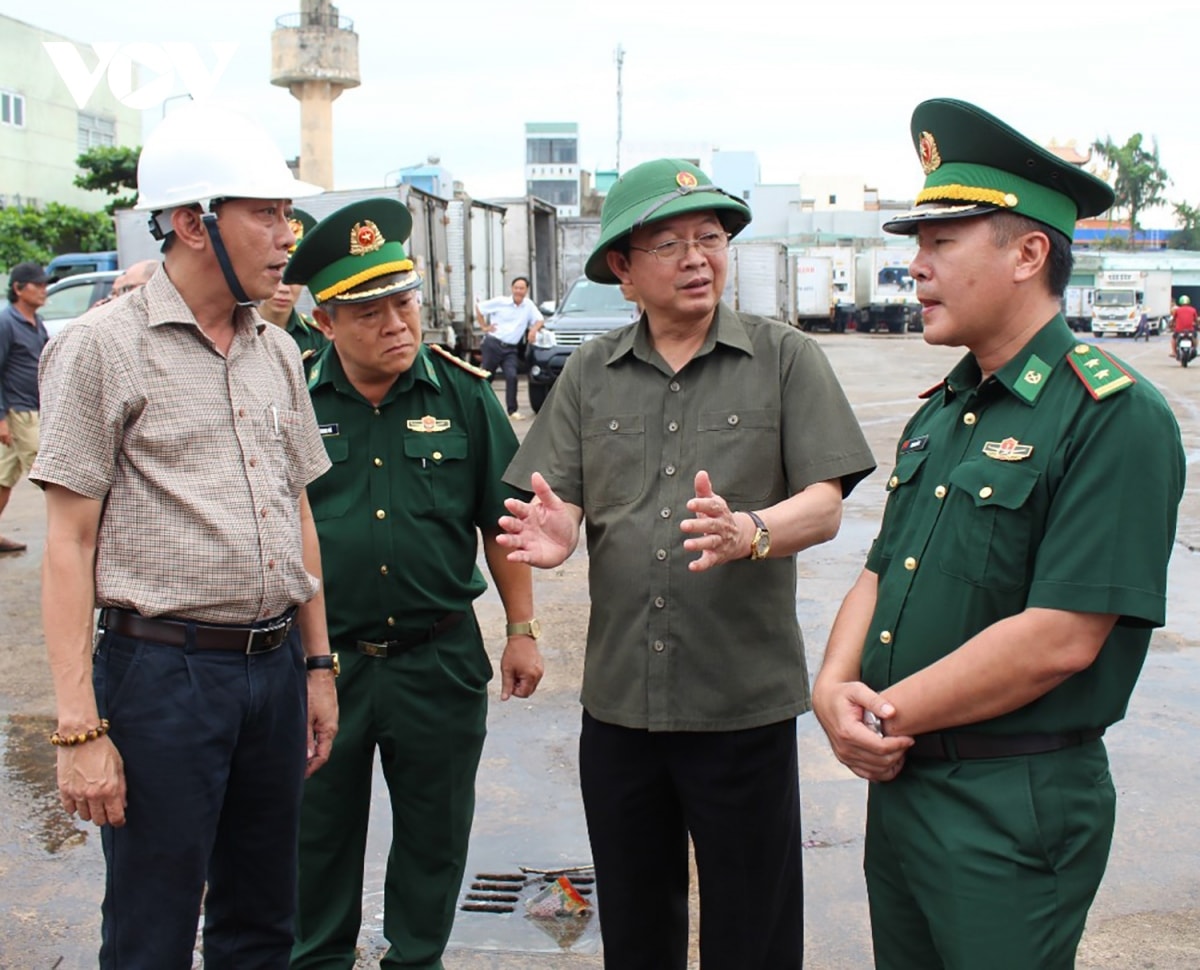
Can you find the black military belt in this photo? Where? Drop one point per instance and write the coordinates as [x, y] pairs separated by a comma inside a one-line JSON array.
[[964, 746], [253, 638], [391, 648]]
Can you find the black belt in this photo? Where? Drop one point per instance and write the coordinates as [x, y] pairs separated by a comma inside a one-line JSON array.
[[254, 638], [964, 746], [391, 648]]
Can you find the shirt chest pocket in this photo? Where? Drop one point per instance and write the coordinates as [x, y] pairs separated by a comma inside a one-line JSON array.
[[439, 463], [990, 522], [740, 450], [334, 493], [614, 460], [903, 488]]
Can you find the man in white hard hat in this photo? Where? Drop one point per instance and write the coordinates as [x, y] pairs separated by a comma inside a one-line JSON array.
[[178, 439]]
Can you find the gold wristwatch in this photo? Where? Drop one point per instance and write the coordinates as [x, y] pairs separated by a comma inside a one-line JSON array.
[[531, 628], [760, 545]]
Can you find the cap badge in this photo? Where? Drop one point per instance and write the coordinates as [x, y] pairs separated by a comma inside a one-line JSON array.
[[365, 238], [927, 148], [297, 228], [1007, 450], [686, 180]]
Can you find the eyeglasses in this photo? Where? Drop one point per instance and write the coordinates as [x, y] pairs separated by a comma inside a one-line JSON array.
[[707, 243]]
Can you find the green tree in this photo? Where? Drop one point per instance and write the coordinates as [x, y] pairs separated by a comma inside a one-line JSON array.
[[40, 234], [1188, 236], [1138, 180], [110, 169]]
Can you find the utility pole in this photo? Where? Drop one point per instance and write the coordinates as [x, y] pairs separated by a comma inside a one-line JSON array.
[[619, 56]]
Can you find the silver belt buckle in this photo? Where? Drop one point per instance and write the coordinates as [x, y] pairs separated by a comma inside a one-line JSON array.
[[372, 649], [273, 628]]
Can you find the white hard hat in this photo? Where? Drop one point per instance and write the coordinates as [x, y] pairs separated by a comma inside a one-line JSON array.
[[203, 151]]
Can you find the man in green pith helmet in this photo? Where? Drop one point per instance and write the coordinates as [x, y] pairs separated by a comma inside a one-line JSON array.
[[1004, 612], [280, 307], [418, 443], [703, 449]]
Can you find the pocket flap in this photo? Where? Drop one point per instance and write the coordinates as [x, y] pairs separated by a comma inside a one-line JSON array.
[[989, 482]]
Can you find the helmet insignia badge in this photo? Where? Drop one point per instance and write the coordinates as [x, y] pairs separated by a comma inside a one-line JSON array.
[[685, 180], [365, 238]]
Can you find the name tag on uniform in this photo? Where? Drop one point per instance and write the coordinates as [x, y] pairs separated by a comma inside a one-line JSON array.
[[914, 444], [328, 430]]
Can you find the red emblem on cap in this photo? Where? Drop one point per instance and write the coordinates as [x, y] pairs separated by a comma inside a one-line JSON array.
[[686, 180], [928, 150], [365, 238]]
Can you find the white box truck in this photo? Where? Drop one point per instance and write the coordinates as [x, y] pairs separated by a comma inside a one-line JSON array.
[[759, 280], [815, 298], [1121, 298], [886, 293]]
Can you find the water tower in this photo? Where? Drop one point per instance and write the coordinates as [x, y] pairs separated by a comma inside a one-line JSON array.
[[314, 54]]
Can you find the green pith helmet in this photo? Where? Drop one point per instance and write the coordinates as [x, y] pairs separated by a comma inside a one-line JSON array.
[[299, 222], [658, 190], [975, 164], [1185, 300], [359, 244]]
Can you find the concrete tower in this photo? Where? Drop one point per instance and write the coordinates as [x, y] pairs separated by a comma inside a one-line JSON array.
[[314, 54]]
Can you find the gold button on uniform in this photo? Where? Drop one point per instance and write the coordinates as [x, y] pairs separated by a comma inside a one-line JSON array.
[[378, 462], [380, 514], [940, 491], [969, 418], [893, 481], [910, 564], [437, 456], [391, 621], [885, 637], [383, 570], [985, 492], [659, 646]]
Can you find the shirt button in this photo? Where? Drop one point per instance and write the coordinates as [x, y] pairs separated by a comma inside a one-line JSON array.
[[659, 602], [893, 481], [673, 426], [378, 462], [670, 470], [665, 513], [253, 462], [674, 385], [661, 555], [263, 513], [659, 646], [614, 425], [969, 418], [985, 492], [732, 419], [391, 621], [940, 491], [437, 456], [885, 636], [271, 564], [910, 564], [377, 412], [383, 569], [380, 514], [241, 412]]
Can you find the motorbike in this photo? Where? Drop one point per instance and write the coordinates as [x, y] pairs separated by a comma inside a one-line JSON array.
[[1185, 347]]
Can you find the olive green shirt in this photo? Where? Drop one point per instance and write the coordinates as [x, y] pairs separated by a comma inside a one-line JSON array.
[[410, 483], [1026, 491], [308, 337], [622, 436]]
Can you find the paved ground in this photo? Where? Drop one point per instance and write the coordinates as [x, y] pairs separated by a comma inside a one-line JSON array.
[[1147, 916]]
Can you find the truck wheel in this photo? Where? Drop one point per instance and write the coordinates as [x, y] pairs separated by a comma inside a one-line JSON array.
[[1097, 334], [537, 395]]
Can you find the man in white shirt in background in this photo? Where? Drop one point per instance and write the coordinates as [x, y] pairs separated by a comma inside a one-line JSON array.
[[505, 321]]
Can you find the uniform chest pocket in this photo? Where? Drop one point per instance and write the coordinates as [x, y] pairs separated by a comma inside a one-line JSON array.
[[739, 448], [440, 463], [903, 489], [990, 520], [614, 460], [332, 495]]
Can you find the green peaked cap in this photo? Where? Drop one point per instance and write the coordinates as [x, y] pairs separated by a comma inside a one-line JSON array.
[[658, 190], [360, 244], [975, 164]]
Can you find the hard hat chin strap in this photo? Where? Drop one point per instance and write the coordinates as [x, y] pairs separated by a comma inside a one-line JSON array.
[[210, 223]]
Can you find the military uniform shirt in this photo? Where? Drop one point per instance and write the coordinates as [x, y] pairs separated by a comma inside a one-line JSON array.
[[308, 337], [1026, 491], [622, 436], [410, 482]]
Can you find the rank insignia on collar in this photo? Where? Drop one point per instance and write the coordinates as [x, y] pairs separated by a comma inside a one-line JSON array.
[[1007, 450], [927, 148], [365, 238], [428, 424]]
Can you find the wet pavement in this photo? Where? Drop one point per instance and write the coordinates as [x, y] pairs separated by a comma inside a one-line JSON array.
[[529, 813]]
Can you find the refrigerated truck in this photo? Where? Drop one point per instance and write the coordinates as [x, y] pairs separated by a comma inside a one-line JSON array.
[[1122, 297]]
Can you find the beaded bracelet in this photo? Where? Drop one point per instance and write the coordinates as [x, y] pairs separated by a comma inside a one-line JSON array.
[[70, 740]]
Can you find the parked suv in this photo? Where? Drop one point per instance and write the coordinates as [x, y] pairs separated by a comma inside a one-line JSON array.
[[588, 310]]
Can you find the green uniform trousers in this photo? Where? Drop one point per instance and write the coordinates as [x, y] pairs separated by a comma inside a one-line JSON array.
[[988, 864], [426, 712]]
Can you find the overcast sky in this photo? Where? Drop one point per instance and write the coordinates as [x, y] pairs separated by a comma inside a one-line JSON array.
[[809, 90]]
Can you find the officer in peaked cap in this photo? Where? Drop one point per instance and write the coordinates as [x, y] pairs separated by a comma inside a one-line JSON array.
[[703, 448], [280, 307], [1004, 612], [418, 443]]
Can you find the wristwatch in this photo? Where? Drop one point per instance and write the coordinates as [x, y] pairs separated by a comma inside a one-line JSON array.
[[323, 661], [532, 628], [760, 545]]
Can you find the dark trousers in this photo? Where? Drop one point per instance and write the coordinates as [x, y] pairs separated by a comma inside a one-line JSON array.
[[989, 864], [426, 713], [496, 355], [214, 749], [738, 794]]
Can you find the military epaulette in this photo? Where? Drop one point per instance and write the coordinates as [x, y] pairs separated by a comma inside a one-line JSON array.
[[459, 362], [1100, 374], [925, 395]]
